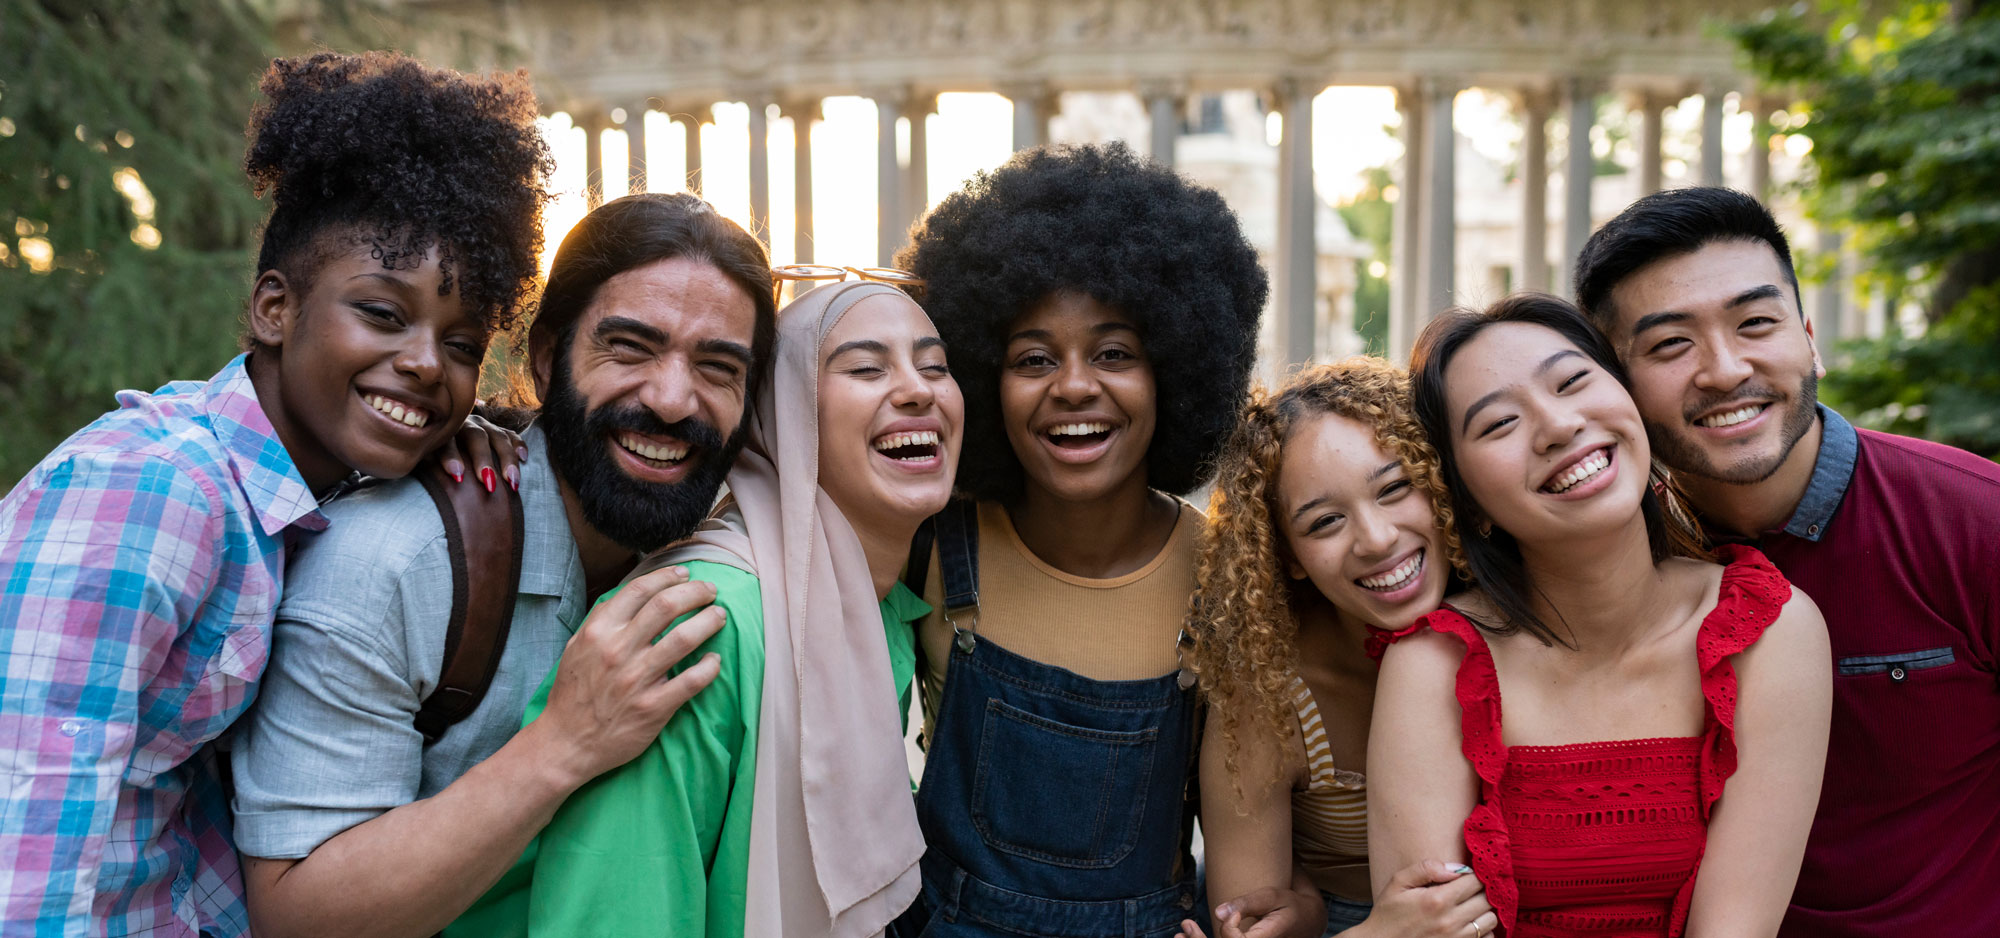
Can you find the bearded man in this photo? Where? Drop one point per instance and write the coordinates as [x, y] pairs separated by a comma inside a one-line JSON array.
[[649, 338]]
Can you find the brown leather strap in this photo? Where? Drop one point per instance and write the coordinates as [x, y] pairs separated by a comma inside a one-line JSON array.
[[483, 533]]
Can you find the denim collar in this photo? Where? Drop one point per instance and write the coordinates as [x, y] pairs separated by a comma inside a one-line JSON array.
[[1832, 471]]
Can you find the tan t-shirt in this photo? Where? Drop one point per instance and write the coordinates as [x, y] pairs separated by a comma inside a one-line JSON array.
[[1119, 629]]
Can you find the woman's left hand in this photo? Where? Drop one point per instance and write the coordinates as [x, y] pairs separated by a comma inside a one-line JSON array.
[[1266, 913], [493, 453]]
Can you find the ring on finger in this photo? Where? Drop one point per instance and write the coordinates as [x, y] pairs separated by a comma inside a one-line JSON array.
[[1477, 932]]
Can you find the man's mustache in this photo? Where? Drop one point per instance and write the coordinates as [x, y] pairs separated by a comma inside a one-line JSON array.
[[697, 433]]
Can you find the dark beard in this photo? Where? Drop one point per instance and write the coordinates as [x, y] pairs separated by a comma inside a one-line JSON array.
[[641, 516], [1688, 458]]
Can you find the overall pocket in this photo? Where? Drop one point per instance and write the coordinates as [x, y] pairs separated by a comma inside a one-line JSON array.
[[1069, 796]]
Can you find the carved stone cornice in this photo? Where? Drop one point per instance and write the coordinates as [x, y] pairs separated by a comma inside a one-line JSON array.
[[616, 50]]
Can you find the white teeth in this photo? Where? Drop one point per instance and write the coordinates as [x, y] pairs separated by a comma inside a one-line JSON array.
[[1731, 418], [1079, 429], [1397, 578], [408, 416], [1590, 466], [651, 451], [900, 440]]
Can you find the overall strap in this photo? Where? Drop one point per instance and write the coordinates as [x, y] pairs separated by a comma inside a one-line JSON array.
[[958, 554], [483, 535]]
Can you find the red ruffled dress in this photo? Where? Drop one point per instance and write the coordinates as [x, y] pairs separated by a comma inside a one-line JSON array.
[[1603, 839]]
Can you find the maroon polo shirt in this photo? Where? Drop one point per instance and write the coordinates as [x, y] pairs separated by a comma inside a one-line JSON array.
[[1898, 542]]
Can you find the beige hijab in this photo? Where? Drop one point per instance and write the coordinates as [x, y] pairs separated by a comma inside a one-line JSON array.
[[834, 842]]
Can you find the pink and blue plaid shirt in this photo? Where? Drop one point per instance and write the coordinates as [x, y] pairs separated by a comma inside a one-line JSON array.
[[140, 567]]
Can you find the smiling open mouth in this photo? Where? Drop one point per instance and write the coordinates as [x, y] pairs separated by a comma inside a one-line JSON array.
[[1582, 471], [406, 415], [1397, 577], [916, 446], [656, 455], [1730, 418], [1078, 435]]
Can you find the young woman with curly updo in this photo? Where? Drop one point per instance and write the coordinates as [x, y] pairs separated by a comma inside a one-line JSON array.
[[144, 558], [1327, 520], [1101, 315]]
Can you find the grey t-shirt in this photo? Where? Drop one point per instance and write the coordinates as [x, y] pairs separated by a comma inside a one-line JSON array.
[[330, 742]]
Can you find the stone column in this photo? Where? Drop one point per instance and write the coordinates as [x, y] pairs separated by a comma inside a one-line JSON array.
[[1034, 104], [1535, 106], [1298, 243], [803, 113], [1711, 135], [888, 176], [691, 121], [594, 125], [1760, 146], [1165, 103], [1578, 170], [635, 148], [760, 167], [1652, 107], [1440, 195], [917, 175], [1406, 228]]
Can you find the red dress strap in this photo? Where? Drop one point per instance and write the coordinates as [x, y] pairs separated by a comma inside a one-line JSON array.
[[1478, 692], [1752, 594]]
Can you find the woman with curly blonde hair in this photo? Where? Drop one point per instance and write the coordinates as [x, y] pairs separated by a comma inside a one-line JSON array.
[[1329, 518]]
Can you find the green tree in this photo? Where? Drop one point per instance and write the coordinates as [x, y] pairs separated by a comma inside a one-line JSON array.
[[125, 220], [1902, 110], [1370, 217]]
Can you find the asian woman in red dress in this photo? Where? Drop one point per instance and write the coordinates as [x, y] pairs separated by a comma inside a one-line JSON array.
[[1657, 763]]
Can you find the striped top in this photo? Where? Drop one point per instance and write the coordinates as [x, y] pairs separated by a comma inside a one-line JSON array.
[[1330, 815]]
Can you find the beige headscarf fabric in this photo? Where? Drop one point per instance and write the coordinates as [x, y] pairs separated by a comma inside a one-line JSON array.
[[834, 842]]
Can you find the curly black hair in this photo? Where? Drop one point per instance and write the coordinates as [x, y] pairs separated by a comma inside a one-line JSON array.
[[379, 149], [1129, 233]]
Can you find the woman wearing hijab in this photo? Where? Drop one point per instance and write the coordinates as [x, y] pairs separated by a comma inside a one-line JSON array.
[[777, 803]]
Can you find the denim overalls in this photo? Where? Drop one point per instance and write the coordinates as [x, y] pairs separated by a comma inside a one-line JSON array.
[[1052, 804]]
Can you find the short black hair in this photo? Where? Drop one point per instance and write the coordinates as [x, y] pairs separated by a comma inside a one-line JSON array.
[[637, 230], [1493, 558], [379, 148], [1127, 232], [1667, 224]]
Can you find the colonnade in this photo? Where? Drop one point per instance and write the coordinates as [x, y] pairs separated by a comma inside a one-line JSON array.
[[1423, 250]]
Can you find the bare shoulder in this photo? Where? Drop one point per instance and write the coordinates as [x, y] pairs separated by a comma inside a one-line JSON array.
[[1795, 642]]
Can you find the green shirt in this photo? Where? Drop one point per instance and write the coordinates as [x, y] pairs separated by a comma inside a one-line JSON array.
[[661, 845]]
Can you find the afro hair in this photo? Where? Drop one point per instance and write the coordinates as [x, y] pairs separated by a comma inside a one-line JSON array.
[[1127, 232], [381, 150]]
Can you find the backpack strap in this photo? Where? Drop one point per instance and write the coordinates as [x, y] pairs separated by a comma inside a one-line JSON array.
[[483, 534]]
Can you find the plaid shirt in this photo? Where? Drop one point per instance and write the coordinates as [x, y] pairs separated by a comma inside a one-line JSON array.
[[140, 567]]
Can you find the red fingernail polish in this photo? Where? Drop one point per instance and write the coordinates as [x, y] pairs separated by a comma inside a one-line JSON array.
[[486, 476], [513, 479], [458, 477]]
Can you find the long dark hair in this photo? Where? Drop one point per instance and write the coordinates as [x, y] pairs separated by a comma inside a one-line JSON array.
[[1493, 558], [632, 232]]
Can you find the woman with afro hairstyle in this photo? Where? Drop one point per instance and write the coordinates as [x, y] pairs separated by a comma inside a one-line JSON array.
[[144, 558], [1101, 315], [1328, 519]]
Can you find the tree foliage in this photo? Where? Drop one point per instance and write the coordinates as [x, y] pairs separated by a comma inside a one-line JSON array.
[[100, 290], [1902, 111]]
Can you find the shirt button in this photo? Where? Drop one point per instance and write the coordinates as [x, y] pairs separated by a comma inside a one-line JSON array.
[[1187, 902], [1812, 529], [1897, 674], [71, 727]]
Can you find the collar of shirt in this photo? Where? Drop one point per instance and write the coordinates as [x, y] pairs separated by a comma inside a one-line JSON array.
[[549, 562], [904, 605], [263, 467], [1832, 471]]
